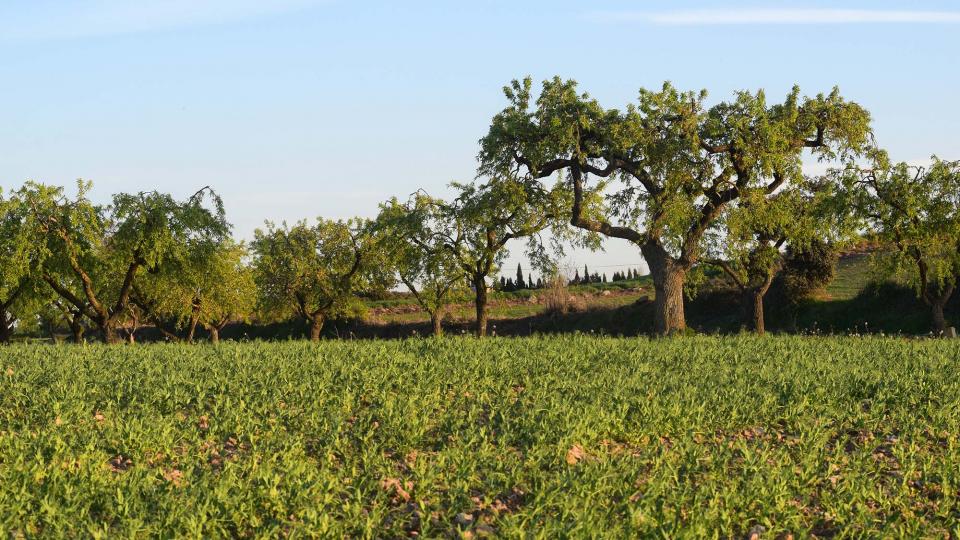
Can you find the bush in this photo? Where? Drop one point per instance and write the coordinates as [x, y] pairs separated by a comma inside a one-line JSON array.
[[808, 270]]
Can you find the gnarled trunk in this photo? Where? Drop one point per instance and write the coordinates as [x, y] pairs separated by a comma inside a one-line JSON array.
[[756, 311], [480, 302], [214, 334], [77, 330], [668, 278], [108, 332], [936, 297], [316, 325]]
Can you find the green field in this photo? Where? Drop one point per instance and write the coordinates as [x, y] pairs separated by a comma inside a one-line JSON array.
[[540, 437]]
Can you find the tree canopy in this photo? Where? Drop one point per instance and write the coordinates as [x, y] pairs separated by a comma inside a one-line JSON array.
[[917, 209], [485, 216], [95, 254], [416, 239], [678, 162], [316, 271], [22, 291]]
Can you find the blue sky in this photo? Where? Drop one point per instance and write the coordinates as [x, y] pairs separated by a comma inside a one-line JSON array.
[[298, 108]]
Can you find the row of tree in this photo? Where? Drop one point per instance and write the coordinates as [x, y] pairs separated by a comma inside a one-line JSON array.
[[690, 186]]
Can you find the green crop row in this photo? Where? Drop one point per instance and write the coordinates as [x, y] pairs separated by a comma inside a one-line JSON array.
[[537, 437]]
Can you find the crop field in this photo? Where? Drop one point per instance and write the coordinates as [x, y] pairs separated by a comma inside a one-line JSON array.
[[570, 436]]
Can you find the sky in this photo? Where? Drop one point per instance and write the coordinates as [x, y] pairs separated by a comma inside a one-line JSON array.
[[295, 109]]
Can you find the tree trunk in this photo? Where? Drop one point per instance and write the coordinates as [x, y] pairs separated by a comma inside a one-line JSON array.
[[6, 326], [480, 300], [668, 278], [939, 321], [108, 330], [316, 325], [756, 297], [194, 319], [214, 334], [436, 319], [77, 330]]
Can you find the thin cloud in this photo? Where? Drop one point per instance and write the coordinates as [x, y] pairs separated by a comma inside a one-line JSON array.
[[702, 17], [44, 19]]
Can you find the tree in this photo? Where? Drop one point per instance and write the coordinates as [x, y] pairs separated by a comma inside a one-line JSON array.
[[102, 251], [679, 163], [752, 231], [315, 271], [58, 314], [210, 287], [22, 291], [414, 234], [520, 283], [918, 211], [485, 216]]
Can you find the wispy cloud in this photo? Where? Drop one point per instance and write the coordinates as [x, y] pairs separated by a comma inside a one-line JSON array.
[[64, 19], [700, 17]]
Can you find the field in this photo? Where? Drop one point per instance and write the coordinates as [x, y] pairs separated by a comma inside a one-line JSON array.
[[569, 436]]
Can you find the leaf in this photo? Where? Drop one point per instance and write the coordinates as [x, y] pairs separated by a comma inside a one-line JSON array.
[[575, 454], [394, 485]]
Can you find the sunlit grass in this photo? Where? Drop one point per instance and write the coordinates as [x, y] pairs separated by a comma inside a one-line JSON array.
[[549, 437]]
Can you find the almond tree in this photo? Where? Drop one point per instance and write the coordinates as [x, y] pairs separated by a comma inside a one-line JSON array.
[[415, 239], [678, 163], [751, 232], [316, 271], [916, 209], [484, 217], [22, 291], [102, 251], [210, 287]]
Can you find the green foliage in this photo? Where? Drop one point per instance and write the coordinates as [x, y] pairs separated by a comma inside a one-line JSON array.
[[211, 286], [679, 162], [566, 437], [22, 291], [317, 270], [917, 211], [808, 269], [95, 254], [419, 247], [485, 216]]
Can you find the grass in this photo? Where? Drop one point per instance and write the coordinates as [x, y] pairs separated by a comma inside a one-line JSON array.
[[567, 436]]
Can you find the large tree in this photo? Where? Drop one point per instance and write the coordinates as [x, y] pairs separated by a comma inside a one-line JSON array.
[[916, 209], [679, 163], [485, 216], [102, 251], [415, 239], [317, 271]]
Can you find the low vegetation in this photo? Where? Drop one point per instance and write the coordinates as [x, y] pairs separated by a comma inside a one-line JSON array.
[[555, 437]]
